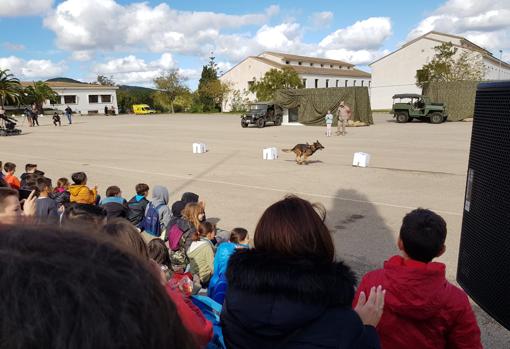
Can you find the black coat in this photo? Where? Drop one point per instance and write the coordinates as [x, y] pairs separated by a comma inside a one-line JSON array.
[[136, 210], [279, 302]]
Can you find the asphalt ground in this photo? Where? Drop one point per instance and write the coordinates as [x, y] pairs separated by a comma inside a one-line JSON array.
[[412, 165]]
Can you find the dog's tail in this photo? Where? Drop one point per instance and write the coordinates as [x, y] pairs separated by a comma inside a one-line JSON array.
[[287, 150]]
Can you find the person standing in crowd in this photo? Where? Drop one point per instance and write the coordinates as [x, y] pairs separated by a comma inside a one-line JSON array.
[[329, 122], [344, 114], [290, 291], [69, 114], [138, 204], [80, 193], [46, 208], [35, 115], [10, 178]]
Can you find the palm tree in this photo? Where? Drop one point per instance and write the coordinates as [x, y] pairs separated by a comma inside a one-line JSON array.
[[10, 88], [38, 93]]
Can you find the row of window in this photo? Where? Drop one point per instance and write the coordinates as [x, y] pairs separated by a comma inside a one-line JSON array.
[[338, 83], [73, 99], [321, 65]]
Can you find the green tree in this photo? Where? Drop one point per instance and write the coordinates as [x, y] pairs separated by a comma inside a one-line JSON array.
[[170, 85], [105, 81], [446, 67], [273, 80], [10, 88], [209, 87], [38, 93]]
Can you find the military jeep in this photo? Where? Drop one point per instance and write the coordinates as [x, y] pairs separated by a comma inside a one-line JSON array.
[[262, 112], [407, 107]]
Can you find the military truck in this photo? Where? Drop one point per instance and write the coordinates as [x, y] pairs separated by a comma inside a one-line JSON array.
[[407, 107], [262, 112]]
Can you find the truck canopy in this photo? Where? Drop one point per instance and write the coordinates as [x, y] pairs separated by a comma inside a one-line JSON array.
[[407, 95]]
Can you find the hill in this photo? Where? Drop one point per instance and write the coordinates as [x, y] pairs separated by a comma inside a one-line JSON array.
[[62, 79]]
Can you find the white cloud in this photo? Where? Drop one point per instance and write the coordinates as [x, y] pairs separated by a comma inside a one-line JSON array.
[[282, 37], [485, 22], [32, 69], [359, 57], [83, 55], [321, 19], [15, 8], [366, 34]]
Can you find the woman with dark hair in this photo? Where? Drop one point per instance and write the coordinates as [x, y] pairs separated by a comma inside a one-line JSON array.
[[290, 292]]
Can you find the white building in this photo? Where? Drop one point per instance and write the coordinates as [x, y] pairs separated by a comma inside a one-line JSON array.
[[396, 72], [315, 73], [81, 97]]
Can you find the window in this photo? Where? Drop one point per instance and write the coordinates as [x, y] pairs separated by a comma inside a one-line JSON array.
[[331, 65], [304, 83], [362, 82], [316, 83], [311, 64], [369, 83], [341, 67], [287, 62], [345, 83], [300, 63], [354, 83], [336, 85], [69, 99], [93, 99], [327, 83], [322, 65], [106, 98]]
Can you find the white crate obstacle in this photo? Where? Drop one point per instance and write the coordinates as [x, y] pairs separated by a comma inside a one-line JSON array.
[[199, 148], [270, 153], [361, 159]]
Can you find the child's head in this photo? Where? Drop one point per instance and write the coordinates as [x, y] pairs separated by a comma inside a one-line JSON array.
[[10, 167], [10, 209], [159, 252], [63, 183], [113, 191], [30, 168], [239, 236], [84, 217], [79, 178], [43, 185], [422, 235], [142, 189], [125, 235], [194, 213], [205, 230]]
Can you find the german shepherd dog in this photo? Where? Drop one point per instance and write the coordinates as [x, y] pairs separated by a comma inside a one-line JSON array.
[[303, 151]]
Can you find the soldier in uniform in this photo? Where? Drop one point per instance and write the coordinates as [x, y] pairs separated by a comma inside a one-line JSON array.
[[344, 113]]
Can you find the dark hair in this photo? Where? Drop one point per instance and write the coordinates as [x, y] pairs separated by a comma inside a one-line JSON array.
[[423, 234], [4, 184], [124, 234], [29, 167], [62, 182], [204, 228], [293, 227], [159, 252], [5, 193], [42, 183], [84, 217], [9, 166], [112, 191], [141, 188], [120, 301], [30, 181], [79, 177], [177, 208], [238, 234], [189, 197]]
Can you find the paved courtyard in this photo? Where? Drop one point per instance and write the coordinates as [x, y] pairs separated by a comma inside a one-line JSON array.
[[412, 165]]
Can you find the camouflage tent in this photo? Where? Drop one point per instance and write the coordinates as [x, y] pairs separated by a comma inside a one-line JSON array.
[[458, 96], [314, 103]]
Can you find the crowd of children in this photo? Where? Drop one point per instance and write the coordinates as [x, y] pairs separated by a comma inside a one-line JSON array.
[[286, 290]]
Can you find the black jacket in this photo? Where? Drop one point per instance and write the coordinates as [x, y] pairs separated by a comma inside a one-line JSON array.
[[280, 302], [115, 210], [136, 210]]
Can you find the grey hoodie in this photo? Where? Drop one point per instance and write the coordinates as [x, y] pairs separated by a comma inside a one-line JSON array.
[[160, 197]]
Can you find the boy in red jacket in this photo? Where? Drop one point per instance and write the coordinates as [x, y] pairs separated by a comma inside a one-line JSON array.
[[422, 309]]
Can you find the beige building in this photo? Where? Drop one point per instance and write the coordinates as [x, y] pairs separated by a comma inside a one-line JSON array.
[[396, 72], [314, 72]]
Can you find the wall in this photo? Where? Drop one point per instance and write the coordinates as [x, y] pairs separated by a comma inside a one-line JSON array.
[[310, 81], [493, 71], [82, 104]]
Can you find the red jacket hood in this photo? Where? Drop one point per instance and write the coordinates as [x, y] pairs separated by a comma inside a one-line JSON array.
[[414, 289]]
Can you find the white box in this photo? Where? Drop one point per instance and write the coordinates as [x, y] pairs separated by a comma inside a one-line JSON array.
[[270, 153], [199, 148], [361, 159]]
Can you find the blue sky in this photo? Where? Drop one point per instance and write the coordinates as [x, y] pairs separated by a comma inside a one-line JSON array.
[[135, 41]]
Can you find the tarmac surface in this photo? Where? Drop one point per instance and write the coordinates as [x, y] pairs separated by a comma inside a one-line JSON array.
[[412, 165]]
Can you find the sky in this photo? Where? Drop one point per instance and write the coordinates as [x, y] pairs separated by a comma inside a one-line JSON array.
[[135, 41]]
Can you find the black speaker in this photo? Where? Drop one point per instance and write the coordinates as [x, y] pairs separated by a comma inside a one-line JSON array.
[[484, 255]]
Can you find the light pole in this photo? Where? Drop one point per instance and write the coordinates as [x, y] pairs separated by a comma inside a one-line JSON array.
[[500, 61]]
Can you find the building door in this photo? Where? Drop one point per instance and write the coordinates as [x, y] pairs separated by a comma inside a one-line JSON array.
[[293, 115]]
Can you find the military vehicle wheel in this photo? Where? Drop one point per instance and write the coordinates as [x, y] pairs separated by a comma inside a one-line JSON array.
[[436, 118], [402, 117], [278, 121], [243, 124], [261, 123]]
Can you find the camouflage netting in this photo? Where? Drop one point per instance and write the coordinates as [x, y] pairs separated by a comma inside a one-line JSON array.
[[458, 96], [314, 103]]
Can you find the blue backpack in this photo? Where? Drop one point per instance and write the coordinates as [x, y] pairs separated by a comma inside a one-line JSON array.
[[150, 222], [211, 311]]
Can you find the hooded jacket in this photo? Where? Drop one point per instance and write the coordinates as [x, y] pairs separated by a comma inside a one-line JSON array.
[[281, 302], [81, 194], [137, 206], [115, 207], [160, 198], [422, 309]]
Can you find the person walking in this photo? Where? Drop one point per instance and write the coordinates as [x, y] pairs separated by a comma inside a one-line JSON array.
[[105, 110], [28, 114], [329, 122], [344, 113], [35, 115], [69, 113]]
